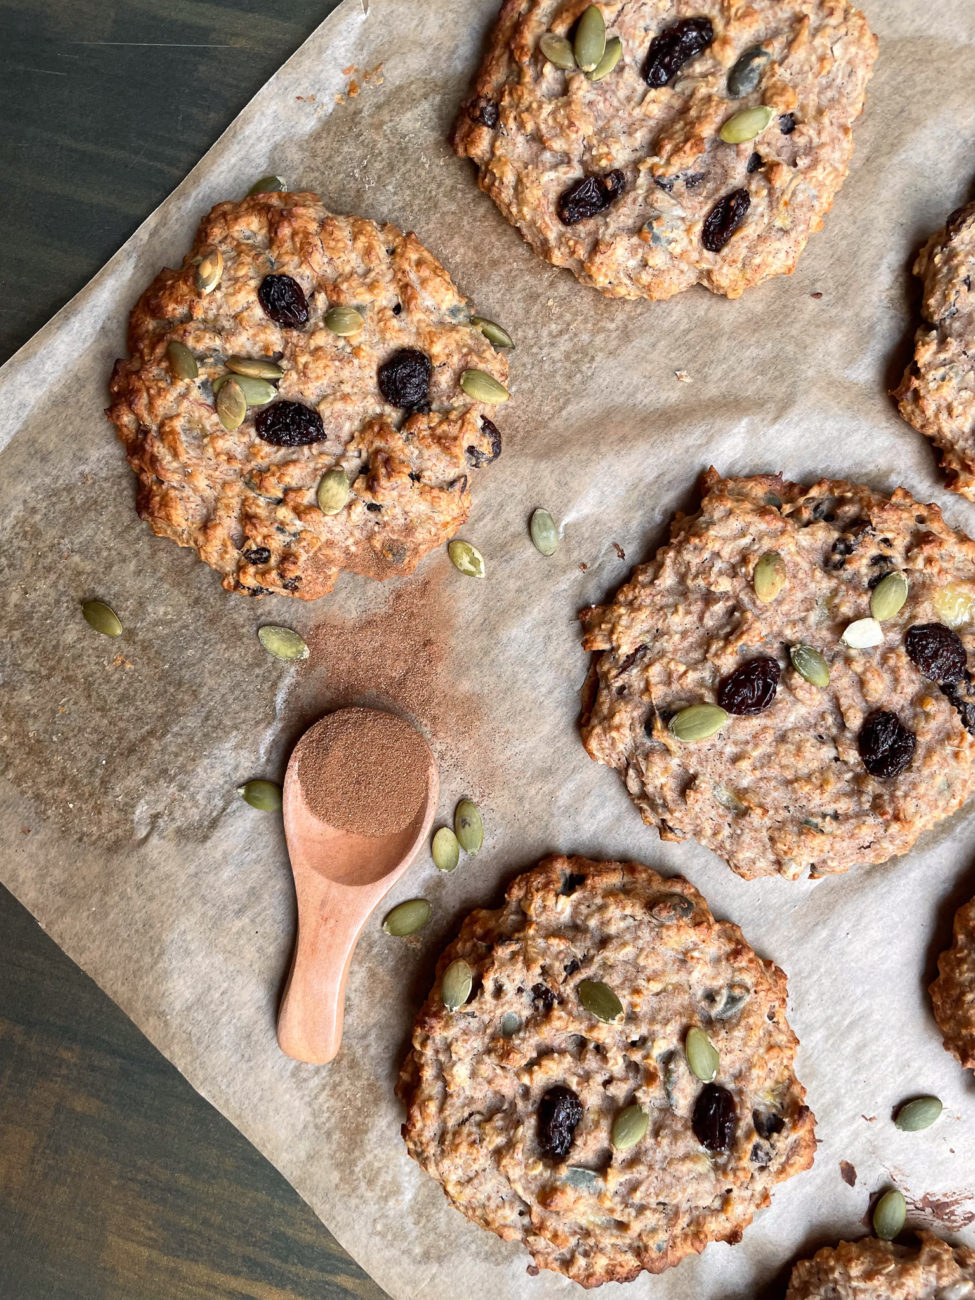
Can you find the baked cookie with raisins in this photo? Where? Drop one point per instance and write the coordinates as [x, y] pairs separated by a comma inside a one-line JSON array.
[[953, 992], [871, 1269], [604, 1072], [937, 393], [705, 145], [298, 398], [787, 680]]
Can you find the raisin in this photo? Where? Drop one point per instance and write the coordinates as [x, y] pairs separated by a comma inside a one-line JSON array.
[[767, 1123], [257, 555], [761, 1154], [958, 218], [885, 746], [715, 1118], [571, 967], [543, 999], [283, 300], [404, 379], [559, 1111], [937, 652], [878, 578], [787, 123], [374, 506], [964, 708], [570, 883], [753, 164], [289, 424], [724, 219], [589, 195], [673, 47], [750, 688], [475, 456], [483, 111]]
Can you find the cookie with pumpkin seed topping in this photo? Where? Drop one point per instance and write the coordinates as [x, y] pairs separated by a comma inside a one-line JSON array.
[[298, 400], [787, 680], [557, 1104]]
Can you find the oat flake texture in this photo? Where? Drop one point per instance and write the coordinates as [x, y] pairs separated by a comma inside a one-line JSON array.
[[882, 1270], [953, 992]]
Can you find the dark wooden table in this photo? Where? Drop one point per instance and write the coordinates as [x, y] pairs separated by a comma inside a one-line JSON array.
[[116, 1178]]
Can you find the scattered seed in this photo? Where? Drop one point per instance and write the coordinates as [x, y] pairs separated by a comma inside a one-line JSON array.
[[483, 387], [728, 799], [584, 1180], [344, 321], [510, 1024], [863, 634], [697, 722], [231, 404], [456, 985], [629, 1127], [181, 360], [769, 576], [918, 1114], [209, 270], [702, 1055], [268, 185], [407, 918], [558, 51], [954, 605], [445, 849], [492, 331], [611, 56], [747, 72], [810, 665], [468, 827], [256, 367], [101, 617], [264, 795], [544, 532], [590, 38], [746, 125], [282, 642], [468, 559], [600, 1000], [889, 1215], [333, 491], [888, 596], [257, 392]]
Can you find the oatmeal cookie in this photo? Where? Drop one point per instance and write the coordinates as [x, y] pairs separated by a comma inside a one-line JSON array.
[[953, 992], [882, 1270], [811, 754], [384, 403], [628, 179], [556, 1106], [937, 393]]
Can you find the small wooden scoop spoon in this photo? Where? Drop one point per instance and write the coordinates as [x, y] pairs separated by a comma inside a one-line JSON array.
[[344, 767]]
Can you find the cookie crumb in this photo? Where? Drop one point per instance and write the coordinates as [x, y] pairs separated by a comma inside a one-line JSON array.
[[848, 1173], [682, 376]]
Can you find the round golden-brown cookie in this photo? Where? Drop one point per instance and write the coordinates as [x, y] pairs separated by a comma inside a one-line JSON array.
[[384, 404], [801, 777], [871, 1269], [626, 180], [937, 393], [512, 1098], [953, 992]]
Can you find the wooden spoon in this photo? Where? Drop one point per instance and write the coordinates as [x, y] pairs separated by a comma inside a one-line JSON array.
[[340, 877]]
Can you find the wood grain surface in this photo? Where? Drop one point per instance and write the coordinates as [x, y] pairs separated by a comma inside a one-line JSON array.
[[116, 1179]]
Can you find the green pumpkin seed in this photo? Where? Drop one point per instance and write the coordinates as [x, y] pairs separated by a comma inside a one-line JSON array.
[[467, 558], [468, 827], [182, 362], [590, 38], [456, 985], [558, 51], [333, 491], [746, 125], [629, 1127], [268, 185], [482, 387], [282, 642], [747, 72], [209, 270], [600, 1000], [544, 532], [735, 997], [445, 849], [584, 1180], [918, 1114], [231, 404], [510, 1024], [769, 576], [810, 665], [492, 331], [611, 56], [101, 617], [264, 795], [344, 321], [256, 367], [863, 634], [702, 1055], [889, 1215], [697, 722], [257, 392], [407, 918], [888, 596]]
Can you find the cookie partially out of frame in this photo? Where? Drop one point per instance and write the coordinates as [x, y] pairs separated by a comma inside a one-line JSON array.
[[937, 393], [953, 992], [626, 180], [871, 1269], [383, 404], [801, 777], [512, 1097]]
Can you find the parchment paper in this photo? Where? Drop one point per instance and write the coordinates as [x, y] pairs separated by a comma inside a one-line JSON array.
[[120, 827]]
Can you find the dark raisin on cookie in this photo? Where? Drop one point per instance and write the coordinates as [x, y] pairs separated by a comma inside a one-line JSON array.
[[478, 458], [483, 111], [963, 707], [543, 999], [751, 688], [257, 555], [724, 219], [404, 378], [937, 652], [589, 196], [283, 300], [570, 883], [787, 123], [767, 1123], [289, 424], [754, 163], [674, 47], [559, 1111], [715, 1118], [886, 746]]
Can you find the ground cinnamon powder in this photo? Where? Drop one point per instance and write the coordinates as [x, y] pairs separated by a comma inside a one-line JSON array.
[[364, 771]]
